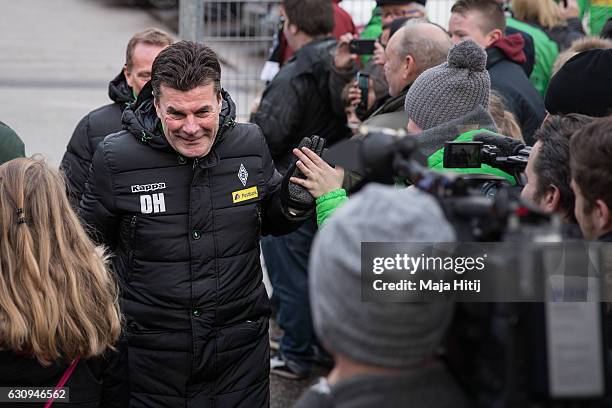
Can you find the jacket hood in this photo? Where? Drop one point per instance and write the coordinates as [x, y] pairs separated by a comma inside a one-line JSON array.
[[432, 140], [140, 119], [119, 91], [511, 48]]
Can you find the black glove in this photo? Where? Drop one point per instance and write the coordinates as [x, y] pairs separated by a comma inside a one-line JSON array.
[[507, 145], [295, 197]]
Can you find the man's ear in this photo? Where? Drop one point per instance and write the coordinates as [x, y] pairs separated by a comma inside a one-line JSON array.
[[126, 74], [157, 107], [220, 101], [410, 67], [551, 199], [494, 36], [602, 215]]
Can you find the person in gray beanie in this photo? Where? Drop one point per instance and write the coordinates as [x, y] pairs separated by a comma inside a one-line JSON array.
[[450, 90], [384, 352]]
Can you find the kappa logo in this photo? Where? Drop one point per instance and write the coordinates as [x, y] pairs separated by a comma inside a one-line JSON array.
[[145, 188], [243, 174], [154, 203]]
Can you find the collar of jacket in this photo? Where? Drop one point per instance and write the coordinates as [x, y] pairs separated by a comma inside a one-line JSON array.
[[431, 140], [395, 104], [119, 91], [141, 120]]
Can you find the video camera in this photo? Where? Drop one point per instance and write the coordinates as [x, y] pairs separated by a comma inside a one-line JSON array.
[[505, 355], [481, 207]]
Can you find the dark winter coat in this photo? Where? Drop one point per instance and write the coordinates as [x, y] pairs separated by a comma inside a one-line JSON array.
[[185, 234], [95, 383], [11, 145], [303, 100], [89, 133], [391, 114], [509, 80]]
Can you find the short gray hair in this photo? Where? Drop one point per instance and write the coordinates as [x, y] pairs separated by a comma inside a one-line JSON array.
[[426, 51]]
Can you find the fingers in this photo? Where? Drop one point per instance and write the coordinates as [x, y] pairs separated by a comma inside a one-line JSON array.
[[345, 38], [313, 157]]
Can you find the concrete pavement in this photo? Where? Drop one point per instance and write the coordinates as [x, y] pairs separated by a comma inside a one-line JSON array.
[[57, 59]]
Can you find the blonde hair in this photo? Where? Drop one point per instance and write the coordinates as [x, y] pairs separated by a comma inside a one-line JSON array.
[[578, 46], [546, 12], [58, 300], [505, 121]]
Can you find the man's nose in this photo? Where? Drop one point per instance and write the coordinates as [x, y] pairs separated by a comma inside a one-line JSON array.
[[190, 127]]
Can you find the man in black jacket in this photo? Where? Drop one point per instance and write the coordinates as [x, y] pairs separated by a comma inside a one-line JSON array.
[[302, 100], [182, 196], [483, 21], [142, 49]]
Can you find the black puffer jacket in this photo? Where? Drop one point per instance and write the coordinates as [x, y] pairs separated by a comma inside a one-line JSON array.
[[185, 233], [89, 133], [303, 100], [95, 383], [520, 96]]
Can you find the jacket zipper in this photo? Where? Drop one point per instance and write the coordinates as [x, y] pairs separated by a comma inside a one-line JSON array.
[[131, 246]]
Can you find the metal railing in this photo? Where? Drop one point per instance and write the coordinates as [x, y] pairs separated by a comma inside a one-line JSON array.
[[241, 32]]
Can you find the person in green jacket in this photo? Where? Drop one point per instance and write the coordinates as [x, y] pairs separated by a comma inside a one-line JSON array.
[[11, 146], [385, 12], [599, 12]]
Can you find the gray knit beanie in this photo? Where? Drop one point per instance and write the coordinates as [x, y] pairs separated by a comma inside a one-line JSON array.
[[452, 89], [383, 334]]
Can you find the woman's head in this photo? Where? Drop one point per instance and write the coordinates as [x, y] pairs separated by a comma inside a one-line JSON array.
[[57, 299], [546, 12]]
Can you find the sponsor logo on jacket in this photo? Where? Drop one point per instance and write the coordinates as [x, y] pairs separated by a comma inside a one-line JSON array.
[[245, 195], [145, 188]]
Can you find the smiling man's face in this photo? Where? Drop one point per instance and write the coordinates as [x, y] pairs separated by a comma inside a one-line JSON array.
[[190, 119]]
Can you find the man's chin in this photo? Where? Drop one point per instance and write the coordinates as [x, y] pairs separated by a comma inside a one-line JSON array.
[[194, 152]]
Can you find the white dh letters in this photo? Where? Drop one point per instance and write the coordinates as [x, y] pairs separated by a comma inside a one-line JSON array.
[[152, 204]]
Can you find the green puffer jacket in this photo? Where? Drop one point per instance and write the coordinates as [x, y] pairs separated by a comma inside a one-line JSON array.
[[546, 52], [11, 145], [599, 12]]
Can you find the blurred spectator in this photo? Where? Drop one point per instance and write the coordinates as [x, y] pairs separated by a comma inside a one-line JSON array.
[[301, 101], [142, 49], [504, 119], [281, 51], [581, 45], [413, 49], [11, 145], [548, 170], [59, 315], [599, 11], [591, 155], [388, 10], [545, 52], [563, 25], [582, 85], [483, 21], [384, 352]]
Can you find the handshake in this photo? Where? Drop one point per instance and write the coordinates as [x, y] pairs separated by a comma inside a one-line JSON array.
[[309, 177]]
